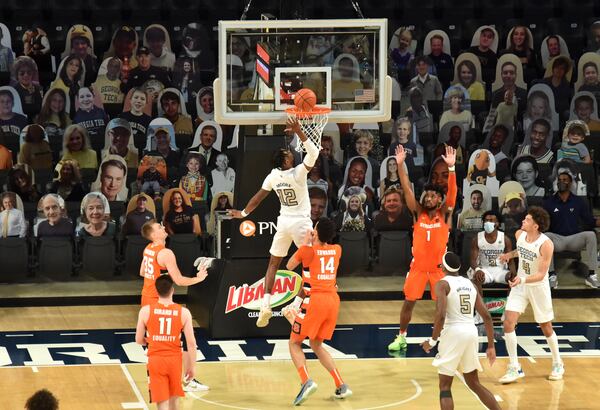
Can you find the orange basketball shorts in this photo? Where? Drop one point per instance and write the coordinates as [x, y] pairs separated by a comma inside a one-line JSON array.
[[417, 280], [164, 377], [320, 317]]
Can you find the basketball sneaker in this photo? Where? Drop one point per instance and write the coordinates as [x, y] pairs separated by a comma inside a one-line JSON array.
[[306, 390], [194, 386], [558, 369], [342, 392], [554, 281], [290, 313], [399, 343], [513, 373], [592, 281], [263, 316]]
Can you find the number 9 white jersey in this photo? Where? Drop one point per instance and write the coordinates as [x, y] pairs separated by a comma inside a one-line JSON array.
[[291, 188], [460, 307]]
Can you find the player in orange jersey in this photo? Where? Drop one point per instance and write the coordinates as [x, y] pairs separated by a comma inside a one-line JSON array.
[[160, 260], [432, 217], [316, 320], [159, 326]]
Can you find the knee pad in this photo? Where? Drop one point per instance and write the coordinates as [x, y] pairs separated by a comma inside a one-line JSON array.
[[445, 394]]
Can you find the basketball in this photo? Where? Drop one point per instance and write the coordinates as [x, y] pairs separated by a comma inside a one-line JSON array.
[[305, 99]]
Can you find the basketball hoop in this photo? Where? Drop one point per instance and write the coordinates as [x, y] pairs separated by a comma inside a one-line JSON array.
[[312, 123]]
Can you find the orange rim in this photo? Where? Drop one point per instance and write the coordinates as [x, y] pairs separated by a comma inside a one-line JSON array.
[[315, 111]]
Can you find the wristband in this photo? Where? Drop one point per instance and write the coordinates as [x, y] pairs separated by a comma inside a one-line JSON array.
[[432, 342], [452, 168], [244, 213]]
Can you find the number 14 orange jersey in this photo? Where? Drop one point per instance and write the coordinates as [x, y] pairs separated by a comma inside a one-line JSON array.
[[319, 267]]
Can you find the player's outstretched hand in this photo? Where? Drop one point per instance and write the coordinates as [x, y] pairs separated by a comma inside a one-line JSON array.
[[450, 157], [308, 238], [505, 257], [293, 124], [516, 281], [425, 345], [491, 355], [202, 273], [400, 155], [235, 214]]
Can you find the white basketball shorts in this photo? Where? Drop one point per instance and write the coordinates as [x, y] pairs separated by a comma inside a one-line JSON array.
[[289, 229], [539, 297], [458, 350]]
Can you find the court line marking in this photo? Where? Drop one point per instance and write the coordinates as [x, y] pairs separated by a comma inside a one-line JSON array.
[[34, 369], [531, 359], [124, 333], [389, 328], [593, 325], [135, 389], [462, 379], [498, 398], [418, 392], [344, 328], [73, 334], [21, 335]]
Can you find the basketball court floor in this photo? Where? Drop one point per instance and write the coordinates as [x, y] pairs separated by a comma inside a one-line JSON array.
[[87, 356]]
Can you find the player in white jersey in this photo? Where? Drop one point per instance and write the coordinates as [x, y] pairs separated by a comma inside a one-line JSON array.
[[531, 286], [459, 340], [290, 184], [486, 248]]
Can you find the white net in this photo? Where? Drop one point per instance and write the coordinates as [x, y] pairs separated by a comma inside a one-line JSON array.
[[312, 124]]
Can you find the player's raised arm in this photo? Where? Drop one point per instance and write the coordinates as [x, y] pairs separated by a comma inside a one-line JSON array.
[[250, 206], [166, 258], [489, 328], [312, 151], [450, 160], [140, 331], [441, 290], [409, 195], [189, 361]]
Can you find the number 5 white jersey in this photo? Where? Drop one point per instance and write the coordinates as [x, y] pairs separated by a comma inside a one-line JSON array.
[[461, 301], [292, 190]]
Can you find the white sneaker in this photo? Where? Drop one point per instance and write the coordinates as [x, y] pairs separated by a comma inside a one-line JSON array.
[[513, 373], [558, 369], [195, 386], [592, 281], [263, 317], [290, 313], [553, 280]]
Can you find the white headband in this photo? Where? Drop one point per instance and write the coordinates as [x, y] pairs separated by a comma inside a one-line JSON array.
[[448, 268]]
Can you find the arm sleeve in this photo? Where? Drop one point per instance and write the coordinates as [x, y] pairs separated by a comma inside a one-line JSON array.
[[312, 153], [267, 185], [452, 190]]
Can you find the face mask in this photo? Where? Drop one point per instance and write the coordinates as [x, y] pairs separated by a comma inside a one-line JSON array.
[[489, 227], [562, 187]]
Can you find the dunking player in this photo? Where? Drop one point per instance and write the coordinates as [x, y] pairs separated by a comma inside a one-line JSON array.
[[159, 326], [531, 285], [159, 260], [430, 238], [294, 221], [316, 320], [455, 329]]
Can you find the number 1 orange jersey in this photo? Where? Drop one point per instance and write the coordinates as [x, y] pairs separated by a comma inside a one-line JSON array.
[[152, 270], [430, 240], [320, 265]]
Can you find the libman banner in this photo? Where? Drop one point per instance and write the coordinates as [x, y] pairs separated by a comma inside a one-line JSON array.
[[495, 305], [286, 287]]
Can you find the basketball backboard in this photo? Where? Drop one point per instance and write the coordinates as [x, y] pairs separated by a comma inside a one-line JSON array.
[[262, 64]]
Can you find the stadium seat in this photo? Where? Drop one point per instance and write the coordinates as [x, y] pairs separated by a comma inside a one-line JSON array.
[[356, 252], [536, 11], [134, 247], [88, 175], [394, 251], [458, 10], [579, 8], [186, 248], [15, 260], [55, 258], [98, 257], [117, 208], [497, 11]]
